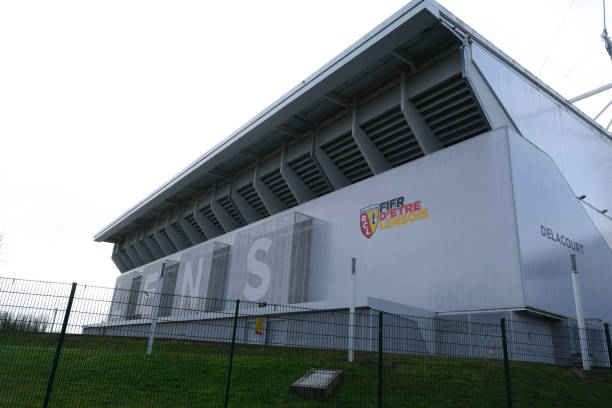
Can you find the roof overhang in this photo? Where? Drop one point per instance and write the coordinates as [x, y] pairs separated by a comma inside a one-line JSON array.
[[405, 24], [397, 30]]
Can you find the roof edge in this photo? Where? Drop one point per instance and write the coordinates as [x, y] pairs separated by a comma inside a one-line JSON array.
[[318, 76]]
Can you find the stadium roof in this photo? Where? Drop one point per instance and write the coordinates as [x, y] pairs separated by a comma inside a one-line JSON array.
[[416, 37]]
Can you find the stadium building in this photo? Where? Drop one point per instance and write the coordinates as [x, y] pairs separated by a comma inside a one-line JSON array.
[[452, 175]]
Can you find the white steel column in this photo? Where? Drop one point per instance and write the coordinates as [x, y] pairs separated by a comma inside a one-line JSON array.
[[351, 334], [584, 346]]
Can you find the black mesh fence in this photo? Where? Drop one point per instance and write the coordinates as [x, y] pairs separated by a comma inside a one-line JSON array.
[[64, 345]]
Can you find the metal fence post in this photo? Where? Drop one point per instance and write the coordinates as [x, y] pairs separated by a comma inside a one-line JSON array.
[[506, 363], [607, 330], [231, 360], [380, 359], [58, 349]]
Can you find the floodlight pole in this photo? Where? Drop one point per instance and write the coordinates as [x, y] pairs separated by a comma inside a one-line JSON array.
[[351, 339], [584, 346]]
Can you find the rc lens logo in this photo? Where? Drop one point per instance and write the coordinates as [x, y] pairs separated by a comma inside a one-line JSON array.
[[390, 214]]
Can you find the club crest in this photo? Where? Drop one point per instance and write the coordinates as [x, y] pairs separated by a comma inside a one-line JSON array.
[[368, 220]]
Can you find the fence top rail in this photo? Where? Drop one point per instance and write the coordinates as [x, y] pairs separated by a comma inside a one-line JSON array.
[[182, 310]]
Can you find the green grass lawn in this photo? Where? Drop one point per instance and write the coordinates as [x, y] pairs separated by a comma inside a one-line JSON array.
[[115, 372]]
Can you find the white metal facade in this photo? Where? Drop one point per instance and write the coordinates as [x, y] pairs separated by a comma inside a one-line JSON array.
[[502, 209]]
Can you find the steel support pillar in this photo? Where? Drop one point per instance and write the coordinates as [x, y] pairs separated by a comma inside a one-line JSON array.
[[300, 190], [247, 212], [332, 173], [117, 259], [179, 241], [209, 229], [164, 243], [375, 159], [272, 203], [425, 137], [155, 250], [193, 235], [131, 254], [227, 221], [143, 251]]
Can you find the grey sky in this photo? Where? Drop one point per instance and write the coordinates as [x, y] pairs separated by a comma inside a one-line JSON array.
[[102, 102]]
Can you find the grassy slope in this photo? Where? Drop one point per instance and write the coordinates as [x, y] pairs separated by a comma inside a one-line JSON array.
[[100, 372]]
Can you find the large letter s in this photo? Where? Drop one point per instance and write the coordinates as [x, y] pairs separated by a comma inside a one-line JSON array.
[[258, 268]]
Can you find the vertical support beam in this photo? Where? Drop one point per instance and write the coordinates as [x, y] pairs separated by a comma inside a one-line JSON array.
[[328, 168], [207, 226], [244, 208], [271, 201], [117, 259], [351, 328], [155, 250], [192, 234], [301, 192], [227, 222], [375, 159], [582, 335], [426, 138], [164, 243]]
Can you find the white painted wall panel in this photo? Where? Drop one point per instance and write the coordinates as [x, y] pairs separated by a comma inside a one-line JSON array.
[[463, 256], [582, 153], [544, 198]]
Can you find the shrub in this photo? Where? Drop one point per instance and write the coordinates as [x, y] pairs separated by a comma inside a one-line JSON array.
[[28, 323]]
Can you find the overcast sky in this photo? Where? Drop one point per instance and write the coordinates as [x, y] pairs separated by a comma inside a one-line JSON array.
[[102, 102]]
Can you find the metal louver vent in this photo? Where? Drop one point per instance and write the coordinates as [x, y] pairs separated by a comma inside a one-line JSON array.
[[343, 151], [165, 234], [138, 261], [307, 170], [393, 137], [152, 238], [228, 206], [451, 112], [207, 211], [276, 183], [192, 221], [180, 231], [127, 258], [250, 195]]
